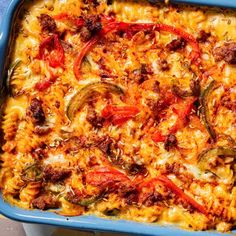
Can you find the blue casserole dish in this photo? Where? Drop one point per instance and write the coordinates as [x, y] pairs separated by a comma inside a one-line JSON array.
[[82, 222]]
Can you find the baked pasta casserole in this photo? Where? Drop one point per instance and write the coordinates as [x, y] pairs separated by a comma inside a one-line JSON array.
[[124, 109]]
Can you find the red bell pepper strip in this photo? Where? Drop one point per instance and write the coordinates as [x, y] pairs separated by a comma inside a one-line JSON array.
[[77, 64], [182, 109], [158, 137], [118, 115], [114, 26], [41, 86], [45, 83], [79, 22], [101, 176], [52, 51], [174, 188], [89, 45]]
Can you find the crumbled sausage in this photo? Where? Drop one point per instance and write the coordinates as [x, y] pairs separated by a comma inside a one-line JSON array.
[[47, 23], [227, 102], [176, 44], [85, 34], [130, 194], [55, 175], [93, 118], [159, 109], [104, 144], [163, 64], [156, 86], [227, 52], [173, 168], [152, 199], [36, 111], [170, 142], [74, 144], [178, 91], [45, 202], [195, 87], [95, 3], [93, 23], [135, 169], [92, 26], [74, 196], [203, 36]]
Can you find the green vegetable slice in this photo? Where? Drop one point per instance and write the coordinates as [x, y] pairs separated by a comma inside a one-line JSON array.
[[205, 114], [208, 156], [32, 173], [83, 96], [10, 72]]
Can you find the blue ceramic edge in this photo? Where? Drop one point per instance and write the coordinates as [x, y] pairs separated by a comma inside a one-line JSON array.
[[89, 222], [216, 3], [80, 222], [5, 31]]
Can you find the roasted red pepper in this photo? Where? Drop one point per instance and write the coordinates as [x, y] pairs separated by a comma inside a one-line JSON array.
[[43, 85], [134, 27], [117, 115], [88, 46], [103, 176], [182, 109], [52, 51], [174, 188]]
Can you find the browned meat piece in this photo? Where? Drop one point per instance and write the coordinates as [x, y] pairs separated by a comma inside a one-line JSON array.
[[179, 92], [104, 144], [47, 23], [54, 175], [93, 118], [135, 169], [144, 71], [153, 198], [74, 144], [85, 34], [45, 202], [130, 194], [203, 36], [93, 23], [141, 74], [74, 196], [227, 52], [170, 142], [92, 26], [36, 111], [172, 168], [195, 87], [163, 64], [227, 102], [176, 44], [95, 3], [159, 109]]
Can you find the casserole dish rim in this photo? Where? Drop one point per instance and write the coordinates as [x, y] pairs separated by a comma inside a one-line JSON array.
[[84, 222]]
